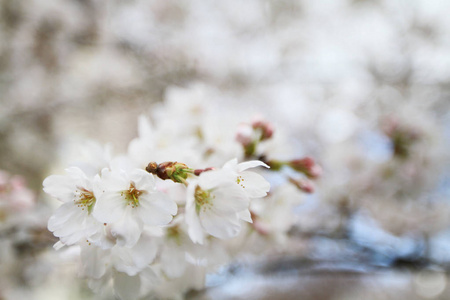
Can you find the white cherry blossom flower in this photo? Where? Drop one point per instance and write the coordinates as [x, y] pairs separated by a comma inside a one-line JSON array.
[[129, 201], [73, 220], [219, 200], [253, 184]]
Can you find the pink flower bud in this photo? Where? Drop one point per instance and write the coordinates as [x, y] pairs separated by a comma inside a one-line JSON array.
[[307, 166], [265, 127]]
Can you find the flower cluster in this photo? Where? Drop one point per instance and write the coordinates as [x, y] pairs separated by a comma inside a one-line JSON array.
[[158, 219], [121, 219]]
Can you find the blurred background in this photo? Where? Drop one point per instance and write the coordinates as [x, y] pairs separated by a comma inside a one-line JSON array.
[[362, 86]]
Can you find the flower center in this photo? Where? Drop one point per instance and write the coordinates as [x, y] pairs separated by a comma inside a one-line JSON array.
[[203, 199], [174, 233], [132, 195], [84, 199], [240, 181]]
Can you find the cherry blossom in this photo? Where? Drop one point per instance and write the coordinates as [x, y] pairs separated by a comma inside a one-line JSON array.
[[130, 201], [73, 220], [219, 200]]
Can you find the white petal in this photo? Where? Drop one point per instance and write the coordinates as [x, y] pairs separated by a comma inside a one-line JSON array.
[[58, 245], [100, 286], [255, 185], [126, 287], [62, 215], [93, 261], [110, 207], [173, 260], [102, 240], [75, 172], [114, 181], [79, 178], [231, 165], [220, 226], [128, 230], [95, 232], [250, 164], [162, 201], [135, 259], [245, 215], [154, 231], [67, 223], [154, 212], [60, 187], [211, 179], [71, 226], [97, 187], [143, 180], [122, 259], [149, 280], [229, 199], [195, 229], [145, 250]]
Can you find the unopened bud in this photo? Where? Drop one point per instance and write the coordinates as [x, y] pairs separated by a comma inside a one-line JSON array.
[[172, 168], [307, 166], [152, 167], [174, 171], [158, 170], [265, 127]]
